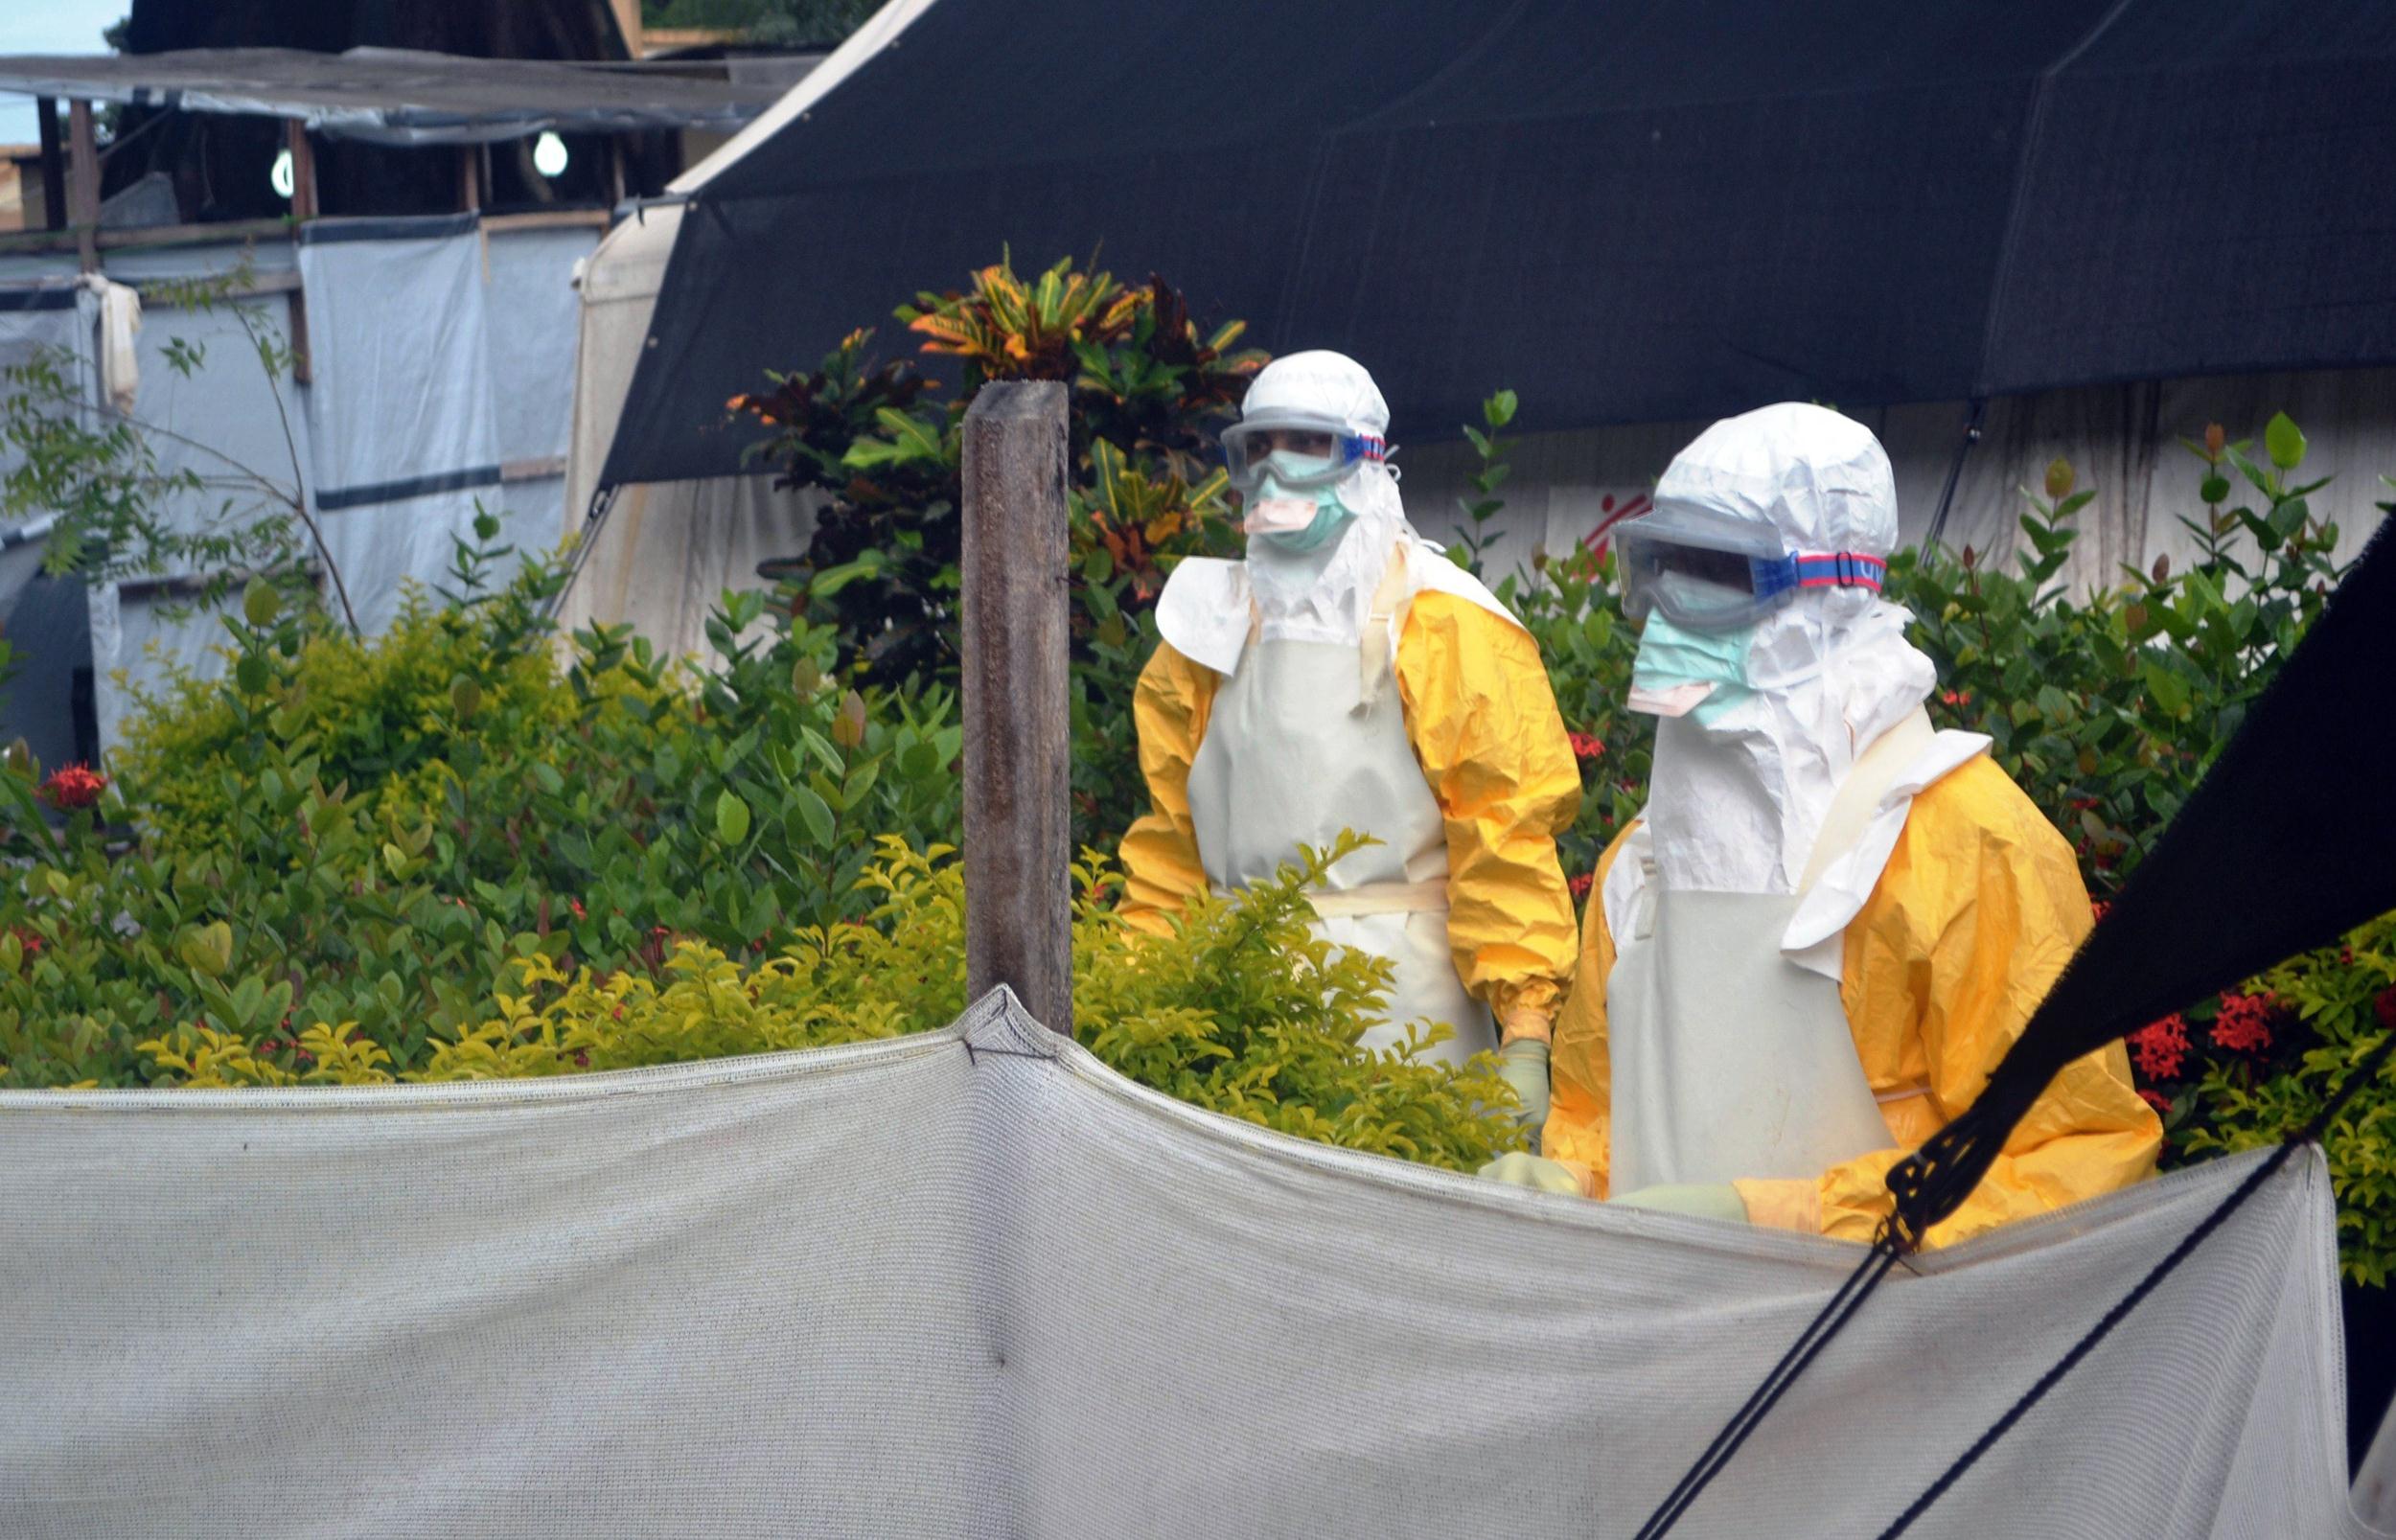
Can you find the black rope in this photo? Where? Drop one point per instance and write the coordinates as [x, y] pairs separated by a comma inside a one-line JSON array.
[[2363, 1071], [601, 503], [1954, 474], [1810, 1342]]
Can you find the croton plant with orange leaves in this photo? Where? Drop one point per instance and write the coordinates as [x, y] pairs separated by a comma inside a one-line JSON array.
[[880, 441]]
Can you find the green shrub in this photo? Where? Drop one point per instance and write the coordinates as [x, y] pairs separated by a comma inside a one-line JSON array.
[[370, 836], [1241, 1011], [2109, 706]]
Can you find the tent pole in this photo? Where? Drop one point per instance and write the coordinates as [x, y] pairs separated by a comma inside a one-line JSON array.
[[1018, 760]]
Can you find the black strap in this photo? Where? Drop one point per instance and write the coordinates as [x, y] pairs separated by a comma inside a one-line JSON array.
[[1875, 1266], [2362, 1074]]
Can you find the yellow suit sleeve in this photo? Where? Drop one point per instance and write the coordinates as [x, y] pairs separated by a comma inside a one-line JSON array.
[[1159, 852], [1979, 908], [1486, 734], [1580, 1128]]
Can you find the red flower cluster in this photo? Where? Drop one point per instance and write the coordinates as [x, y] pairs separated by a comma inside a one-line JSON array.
[[1587, 745], [1954, 698], [2160, 1047], [29, 940], [576, 905], [2156, 1099], [2100, 908], [1581, 885], [2245, 1023], [73, 785], [2386, 1007]]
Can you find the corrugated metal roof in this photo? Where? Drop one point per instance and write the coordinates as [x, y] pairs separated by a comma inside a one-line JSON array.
[[392, 96]]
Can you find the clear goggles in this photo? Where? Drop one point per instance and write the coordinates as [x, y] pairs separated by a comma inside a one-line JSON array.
[[1708, 571], [1301, 451]]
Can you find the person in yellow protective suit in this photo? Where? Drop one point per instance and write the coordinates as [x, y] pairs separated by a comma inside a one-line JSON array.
[[1830, 921], [1349, 676]]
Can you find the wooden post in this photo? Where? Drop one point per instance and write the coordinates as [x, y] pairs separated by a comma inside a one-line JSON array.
[[470, 177], [1018, 761], [83, 182], [303, 210], [52, 165], [303, 168]]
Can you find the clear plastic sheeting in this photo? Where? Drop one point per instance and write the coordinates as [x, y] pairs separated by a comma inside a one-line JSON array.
[[533, 315], [394, 332], [972, 1283]]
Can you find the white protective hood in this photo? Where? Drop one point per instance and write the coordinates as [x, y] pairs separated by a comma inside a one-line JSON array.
[[1735, 803], [1209, 607]]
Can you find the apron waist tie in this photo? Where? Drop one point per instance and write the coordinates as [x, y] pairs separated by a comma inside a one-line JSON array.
[[1380, 897]]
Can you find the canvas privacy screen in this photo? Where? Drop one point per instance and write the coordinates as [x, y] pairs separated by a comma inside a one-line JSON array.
[[972, 1283]]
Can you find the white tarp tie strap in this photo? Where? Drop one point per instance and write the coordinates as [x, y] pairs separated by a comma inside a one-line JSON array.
[[120, 323]]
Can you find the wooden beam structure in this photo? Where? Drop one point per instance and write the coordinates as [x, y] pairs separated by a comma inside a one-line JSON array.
[[53, 164], [153, 234], [1018, 761], [546, 219], [303, 210], [82, 147]]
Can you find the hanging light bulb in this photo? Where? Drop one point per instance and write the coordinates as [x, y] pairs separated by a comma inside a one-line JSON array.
[[549, 157], [280, 177]]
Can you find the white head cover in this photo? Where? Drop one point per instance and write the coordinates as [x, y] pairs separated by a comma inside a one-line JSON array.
[[1325, 595], [1313, 596], [1735, 803]]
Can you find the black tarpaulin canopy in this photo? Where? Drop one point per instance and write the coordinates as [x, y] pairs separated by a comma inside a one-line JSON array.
[[1628, 210]]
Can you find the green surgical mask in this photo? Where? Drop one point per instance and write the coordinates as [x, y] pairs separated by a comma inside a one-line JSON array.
[[1331, 518], [1670, 658]]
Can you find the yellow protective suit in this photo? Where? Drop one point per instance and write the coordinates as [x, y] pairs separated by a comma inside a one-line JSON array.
[[1484, 729], [1976, 912]]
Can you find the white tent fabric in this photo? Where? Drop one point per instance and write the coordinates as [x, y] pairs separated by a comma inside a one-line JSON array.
[[666, 550], [972, 1283], [2375, 1482]]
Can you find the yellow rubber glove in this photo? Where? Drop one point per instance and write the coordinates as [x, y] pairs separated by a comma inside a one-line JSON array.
[[1707, 1199], [1521, 1169]]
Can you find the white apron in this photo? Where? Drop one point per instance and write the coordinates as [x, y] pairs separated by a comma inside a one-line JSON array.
[[1731, 1059], [1292, 755]]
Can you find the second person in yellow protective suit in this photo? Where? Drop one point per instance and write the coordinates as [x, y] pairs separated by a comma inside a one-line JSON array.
[[1830, 921], [1349, 676]]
